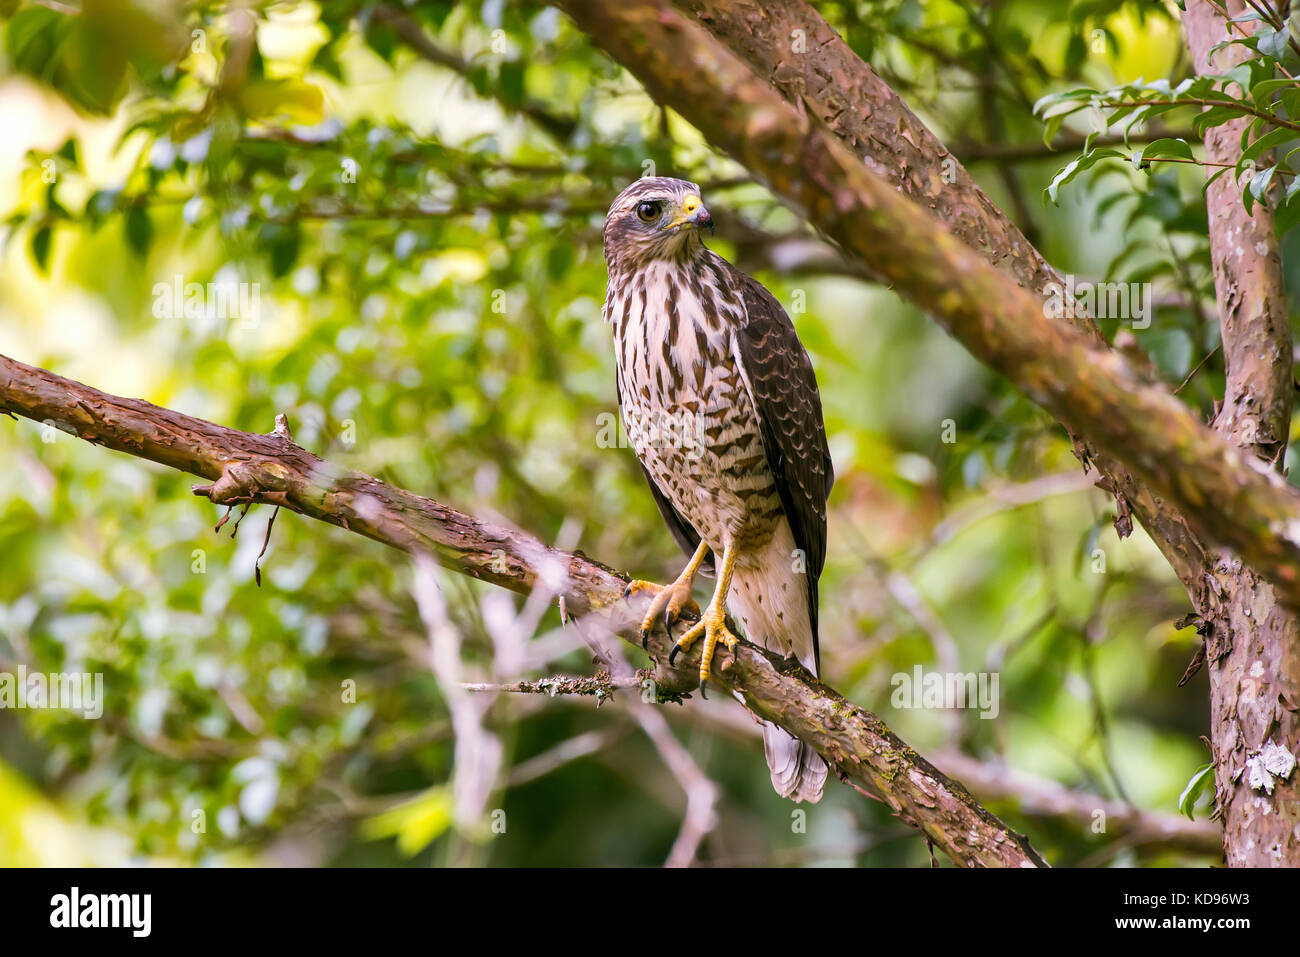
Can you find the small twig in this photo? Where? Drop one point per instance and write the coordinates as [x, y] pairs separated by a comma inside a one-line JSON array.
[[1198, 367], [224, 518], [235, 530], [257, 572]]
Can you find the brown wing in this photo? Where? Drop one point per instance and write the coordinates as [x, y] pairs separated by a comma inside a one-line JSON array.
[[683, 532], [780, 378]]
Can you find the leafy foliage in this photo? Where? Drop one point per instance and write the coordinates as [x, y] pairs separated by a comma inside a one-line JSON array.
[[1261, 89]]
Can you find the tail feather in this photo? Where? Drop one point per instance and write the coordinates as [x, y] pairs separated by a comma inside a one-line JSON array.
[[798, 772], [771, 601]]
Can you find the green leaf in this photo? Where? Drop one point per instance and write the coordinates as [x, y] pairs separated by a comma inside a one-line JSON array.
[[1287, 214], [1195, 787], [1272, 43], [1259, 183], [1166, 147], [1266, 142], [1079, 93], [1262, 93], [1215, 175], [416, 823], [283, 243], [41, 241], [511, 80], [1074, 168], [1214, 116], [139, 230], [1052, 127]]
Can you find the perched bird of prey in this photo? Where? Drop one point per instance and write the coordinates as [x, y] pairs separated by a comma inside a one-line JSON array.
[[719, 400]]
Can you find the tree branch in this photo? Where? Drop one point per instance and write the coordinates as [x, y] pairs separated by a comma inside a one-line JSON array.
[[243, 468], [1093, 392]]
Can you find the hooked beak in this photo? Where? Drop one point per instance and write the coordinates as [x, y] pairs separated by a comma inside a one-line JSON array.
[[693, 214]]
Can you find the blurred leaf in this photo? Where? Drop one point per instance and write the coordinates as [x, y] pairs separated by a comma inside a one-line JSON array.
[[416, 824]]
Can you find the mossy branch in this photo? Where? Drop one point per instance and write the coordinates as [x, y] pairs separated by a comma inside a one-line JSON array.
[[243, 467]]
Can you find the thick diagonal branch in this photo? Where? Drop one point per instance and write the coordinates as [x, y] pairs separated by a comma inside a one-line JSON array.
[[244, 467], [1094, 392]]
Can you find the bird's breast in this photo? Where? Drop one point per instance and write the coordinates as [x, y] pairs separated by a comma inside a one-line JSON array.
[[686, 407]]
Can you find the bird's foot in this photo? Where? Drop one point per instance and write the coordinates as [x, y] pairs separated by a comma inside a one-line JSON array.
[[713, 626], [669, 601]]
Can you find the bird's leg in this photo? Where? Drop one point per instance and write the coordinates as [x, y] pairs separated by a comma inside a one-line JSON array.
[[713, 623], [669, 600]]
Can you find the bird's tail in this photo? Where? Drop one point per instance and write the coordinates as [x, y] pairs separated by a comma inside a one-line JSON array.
[[781, 623], [798, 772]]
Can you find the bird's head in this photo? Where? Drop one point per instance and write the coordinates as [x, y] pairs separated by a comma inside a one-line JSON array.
[[655, 218]]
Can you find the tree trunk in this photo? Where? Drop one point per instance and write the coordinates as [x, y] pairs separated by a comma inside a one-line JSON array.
[[1253, 642]]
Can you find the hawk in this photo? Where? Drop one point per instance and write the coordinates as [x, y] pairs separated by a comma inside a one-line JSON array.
[[719, 400]]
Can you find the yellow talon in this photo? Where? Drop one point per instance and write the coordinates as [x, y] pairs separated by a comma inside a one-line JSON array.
[[669, 600], [713, 626]]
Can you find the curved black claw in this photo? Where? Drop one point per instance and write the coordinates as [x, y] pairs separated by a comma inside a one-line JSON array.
[[645, 639], [672, 655], [627, 590], [703, 687]]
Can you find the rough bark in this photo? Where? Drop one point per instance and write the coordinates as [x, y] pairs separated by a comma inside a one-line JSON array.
[[244, 467], [825, 77], [1096, 393], [1253, 645]]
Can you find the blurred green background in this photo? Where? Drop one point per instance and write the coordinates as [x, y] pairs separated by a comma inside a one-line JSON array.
[[417, 194]]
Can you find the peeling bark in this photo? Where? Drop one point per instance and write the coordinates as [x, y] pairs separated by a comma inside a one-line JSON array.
[[1253, 646], [271, 469], [1253, 658]]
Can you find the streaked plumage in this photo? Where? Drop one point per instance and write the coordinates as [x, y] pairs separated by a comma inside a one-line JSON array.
[[720, 403]]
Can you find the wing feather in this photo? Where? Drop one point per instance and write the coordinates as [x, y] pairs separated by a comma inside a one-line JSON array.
[[781, 382]]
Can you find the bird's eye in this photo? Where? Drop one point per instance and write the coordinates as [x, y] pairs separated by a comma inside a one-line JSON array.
[[647, 212]]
